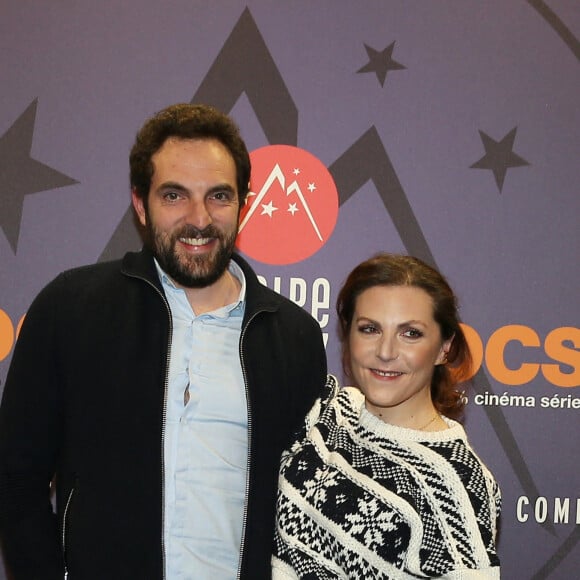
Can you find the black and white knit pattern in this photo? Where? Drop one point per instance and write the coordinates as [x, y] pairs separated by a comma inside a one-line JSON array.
[[362, 499]]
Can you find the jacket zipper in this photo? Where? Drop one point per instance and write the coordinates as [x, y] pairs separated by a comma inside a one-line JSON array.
[[64, 523], [249, 459], [163, 417]]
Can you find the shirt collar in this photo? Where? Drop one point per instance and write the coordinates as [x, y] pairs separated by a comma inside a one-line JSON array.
[[233, 268]]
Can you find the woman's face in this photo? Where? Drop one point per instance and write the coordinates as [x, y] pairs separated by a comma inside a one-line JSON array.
[[394, 345]]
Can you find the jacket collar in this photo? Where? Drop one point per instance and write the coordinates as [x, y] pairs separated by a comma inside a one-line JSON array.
[[141, 265], [258, 297]]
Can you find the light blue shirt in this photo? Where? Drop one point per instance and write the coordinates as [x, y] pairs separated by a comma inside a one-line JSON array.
[[206, 440]]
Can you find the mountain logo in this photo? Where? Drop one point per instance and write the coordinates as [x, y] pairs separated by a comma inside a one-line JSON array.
[[292, 206]]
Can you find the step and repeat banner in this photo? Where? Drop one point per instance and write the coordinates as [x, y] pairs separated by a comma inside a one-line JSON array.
[[446, 129]]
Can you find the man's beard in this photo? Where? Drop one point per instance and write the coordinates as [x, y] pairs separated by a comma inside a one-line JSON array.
[[190, 270]]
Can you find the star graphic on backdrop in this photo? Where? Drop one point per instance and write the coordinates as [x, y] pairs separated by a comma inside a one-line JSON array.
[[268, 209], [381, 62], [292, 208], [499, 156], [296, 171], [311, 187], [21, 175]]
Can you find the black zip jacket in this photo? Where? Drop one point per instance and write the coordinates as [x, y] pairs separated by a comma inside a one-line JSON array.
[[83, 408]]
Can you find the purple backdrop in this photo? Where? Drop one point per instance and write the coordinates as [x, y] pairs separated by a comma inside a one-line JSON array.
[[450, 129]]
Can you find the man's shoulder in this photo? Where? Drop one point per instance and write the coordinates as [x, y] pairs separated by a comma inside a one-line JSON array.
[[285, 304], [79, 285], [95, 269], [260, 296], [294, 319], [132, 263], [91, 273], [99, 276]]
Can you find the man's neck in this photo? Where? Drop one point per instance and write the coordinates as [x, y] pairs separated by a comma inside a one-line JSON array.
[[222, 292]]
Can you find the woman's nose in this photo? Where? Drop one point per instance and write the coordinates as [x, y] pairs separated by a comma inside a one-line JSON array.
[[387, 348]]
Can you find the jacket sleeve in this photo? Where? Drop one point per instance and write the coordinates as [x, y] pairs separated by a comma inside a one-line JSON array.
[[29, 432], [309, 356], [315, 367]]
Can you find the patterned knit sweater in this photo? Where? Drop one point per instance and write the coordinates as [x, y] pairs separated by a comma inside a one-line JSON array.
[[362, 499]]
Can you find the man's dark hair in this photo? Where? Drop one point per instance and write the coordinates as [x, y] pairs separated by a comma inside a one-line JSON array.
[[186, 121]]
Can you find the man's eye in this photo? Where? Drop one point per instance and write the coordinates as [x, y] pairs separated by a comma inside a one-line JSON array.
[[222, 196], [171, 196]]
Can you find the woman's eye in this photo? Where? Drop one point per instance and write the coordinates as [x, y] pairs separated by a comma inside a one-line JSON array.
[[368, 329], [413, 333]]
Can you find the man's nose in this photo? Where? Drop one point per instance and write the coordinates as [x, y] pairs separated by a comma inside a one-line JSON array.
[[198, 214]]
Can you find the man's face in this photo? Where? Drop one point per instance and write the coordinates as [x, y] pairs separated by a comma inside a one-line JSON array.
[[193, 210]]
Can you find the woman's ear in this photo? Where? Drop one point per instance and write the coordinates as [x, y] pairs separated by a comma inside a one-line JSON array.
[[345, 359], [444, 351]]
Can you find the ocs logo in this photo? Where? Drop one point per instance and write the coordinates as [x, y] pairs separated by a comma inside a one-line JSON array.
[[291, 209]]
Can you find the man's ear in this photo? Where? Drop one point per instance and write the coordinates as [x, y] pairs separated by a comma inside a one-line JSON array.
[[139, 207]]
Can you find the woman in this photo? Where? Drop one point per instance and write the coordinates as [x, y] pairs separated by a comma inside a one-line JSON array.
[[382, 482]]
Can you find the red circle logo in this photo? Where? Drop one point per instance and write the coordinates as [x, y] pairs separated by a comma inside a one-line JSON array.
[[292, 206]]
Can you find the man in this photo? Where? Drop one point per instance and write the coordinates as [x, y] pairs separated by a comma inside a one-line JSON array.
[[158, 391]]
